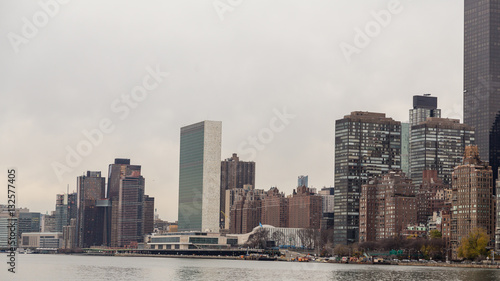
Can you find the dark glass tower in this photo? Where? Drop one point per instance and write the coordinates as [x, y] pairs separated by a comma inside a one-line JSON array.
[[482, 75], [126, 193], [90, 219], [366, 145]]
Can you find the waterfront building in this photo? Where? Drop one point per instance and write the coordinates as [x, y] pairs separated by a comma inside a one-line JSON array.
[[41, 240], [305, 209], [28, 222], [149, 214], [438, 144], [234, 174], [48, 223], [199, 177], [126, 194], [482, 76], [66, 209], [366, 145], [275, 208], [69, 235], [283, 237], [191, 240], [387, 206], [473, 205], [431, 196], [246, 211], [328, 195], [90, 219]]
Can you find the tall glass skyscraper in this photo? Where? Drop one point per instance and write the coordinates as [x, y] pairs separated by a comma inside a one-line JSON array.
[[482, 76], [366, 145], [126, 191], [423, 107], [199, 176], [90, 221], [438, 144]]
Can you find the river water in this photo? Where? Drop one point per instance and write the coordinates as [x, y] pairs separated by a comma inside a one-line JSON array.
[[74, 267]]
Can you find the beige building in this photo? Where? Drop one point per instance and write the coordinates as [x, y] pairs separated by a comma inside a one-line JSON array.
[[44, 240]]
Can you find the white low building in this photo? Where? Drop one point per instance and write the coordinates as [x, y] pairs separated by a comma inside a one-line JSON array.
[[191, 240]]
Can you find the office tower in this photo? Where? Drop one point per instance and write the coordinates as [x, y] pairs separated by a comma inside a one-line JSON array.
[[246, 211], [388, 206], [303, 181], [305, 209], [126, 192], [90, 219], [438, 144], [199, 177], [275, 208], [328, 195], [149, 214], [473, 206], [48, 223], [28, 222], [66, 209], [366, 145], [405, 148], [69, 235], [234, 174], [482, 76], [423, 107]]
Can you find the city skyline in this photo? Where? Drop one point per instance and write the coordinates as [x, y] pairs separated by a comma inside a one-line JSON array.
[[219, 70]]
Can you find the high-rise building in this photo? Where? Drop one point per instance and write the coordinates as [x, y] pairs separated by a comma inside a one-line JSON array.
[[423, 107], [405, 148], [366, 145], [303, 181], [246, 211], [275, 208], [149, 214], [48, 223], [28, 222], [199, 177], [69, 235], [90, 221], [482, 76], [438, 144], [388, 206], [328, 195], [126, 192], [66, 210], [234, 174], [473, 206], [305, 209], [431, 196]]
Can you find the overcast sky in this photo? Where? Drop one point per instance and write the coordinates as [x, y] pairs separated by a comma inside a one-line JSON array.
[[280, 72]]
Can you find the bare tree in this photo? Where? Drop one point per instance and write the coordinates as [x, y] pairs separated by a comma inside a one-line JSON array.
[[258, 239], [278, 237]]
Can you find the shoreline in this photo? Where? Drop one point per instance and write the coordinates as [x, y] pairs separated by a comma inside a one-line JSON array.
[[456, 265]]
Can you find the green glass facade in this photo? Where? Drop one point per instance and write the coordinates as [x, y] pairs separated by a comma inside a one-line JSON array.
[[191, 177]]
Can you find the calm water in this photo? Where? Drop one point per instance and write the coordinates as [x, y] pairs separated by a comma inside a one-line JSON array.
[[63, 267]]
